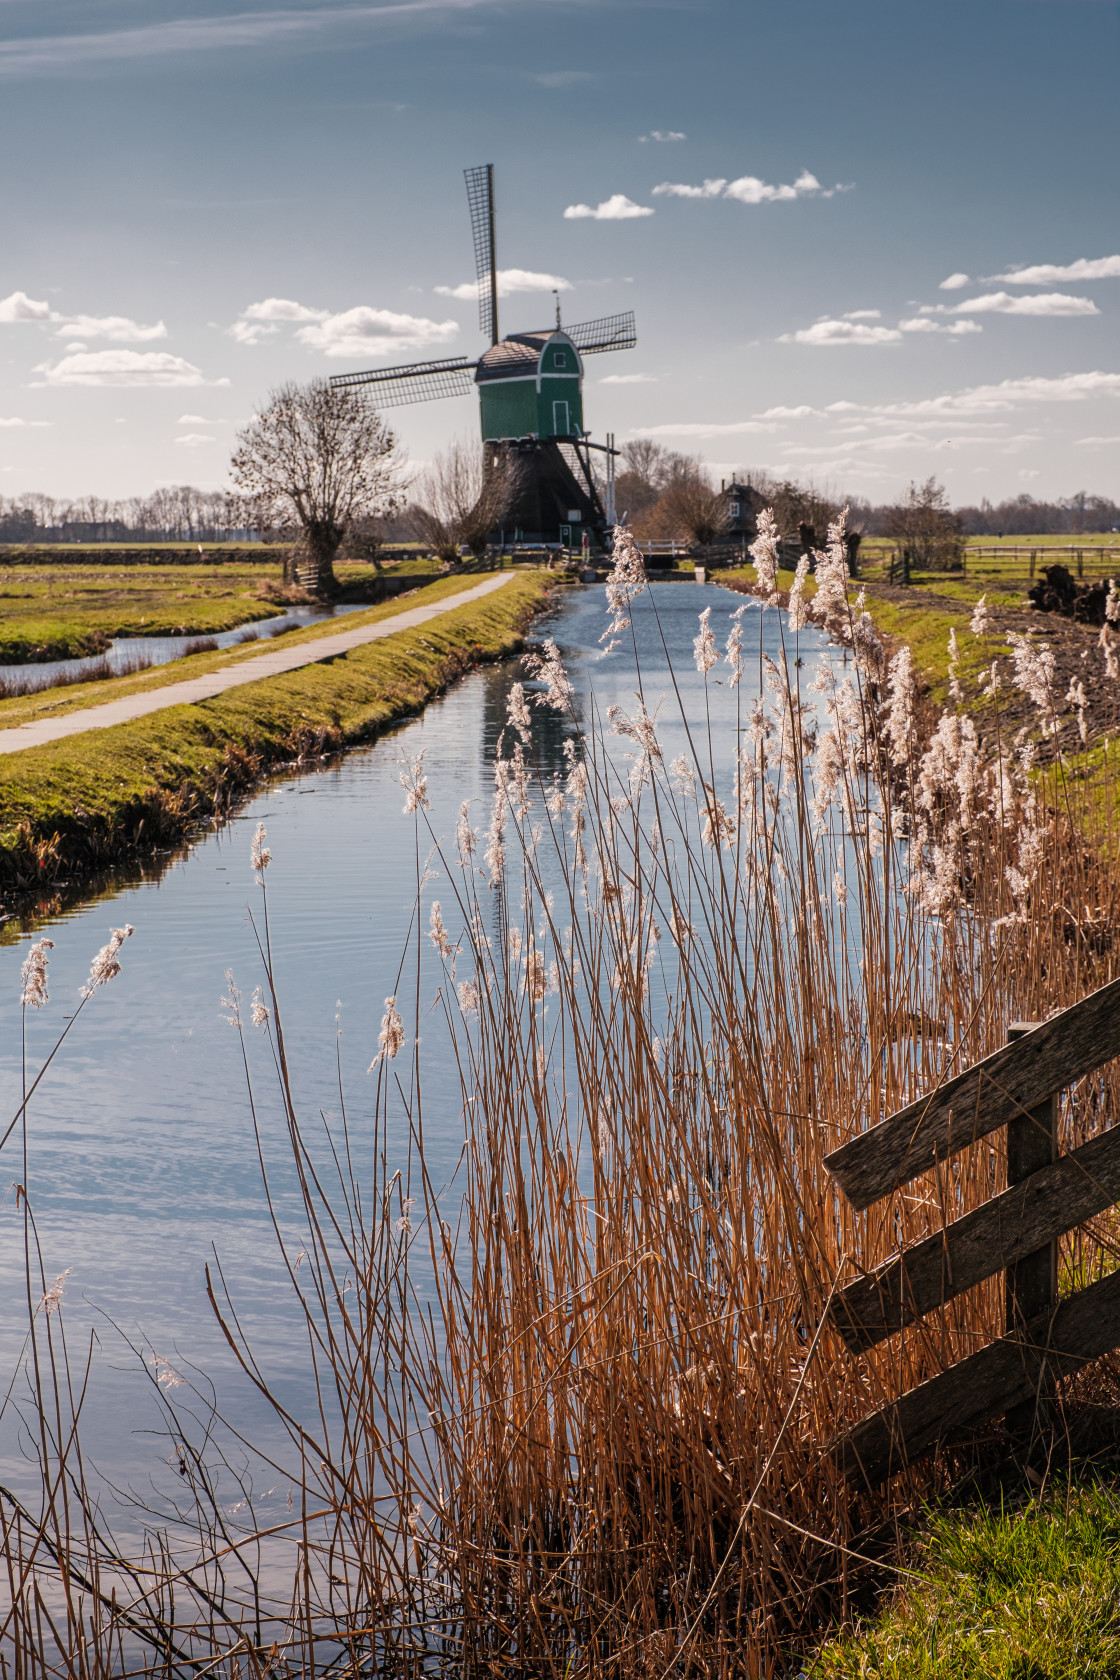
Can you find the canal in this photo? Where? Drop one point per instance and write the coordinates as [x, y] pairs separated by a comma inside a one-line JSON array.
[[141, 1163]]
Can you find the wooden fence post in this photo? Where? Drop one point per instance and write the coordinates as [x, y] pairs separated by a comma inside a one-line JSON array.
[[1031, 1284]]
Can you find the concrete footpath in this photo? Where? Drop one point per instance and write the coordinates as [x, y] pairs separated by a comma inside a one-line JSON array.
[[271, 664]]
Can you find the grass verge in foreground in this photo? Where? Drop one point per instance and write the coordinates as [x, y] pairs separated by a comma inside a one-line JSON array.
[[1014, 1594], [88, 801]]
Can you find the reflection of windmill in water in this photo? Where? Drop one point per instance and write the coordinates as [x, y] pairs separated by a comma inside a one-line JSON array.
[[530, 388]]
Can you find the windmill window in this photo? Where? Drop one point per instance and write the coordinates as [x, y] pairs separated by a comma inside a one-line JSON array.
[[734, 510], [559, 359]]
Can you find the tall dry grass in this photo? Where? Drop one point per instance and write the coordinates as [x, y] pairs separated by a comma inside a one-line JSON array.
[[573, 1410]]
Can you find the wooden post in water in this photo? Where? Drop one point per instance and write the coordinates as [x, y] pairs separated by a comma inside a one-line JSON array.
[[1031, 1284]]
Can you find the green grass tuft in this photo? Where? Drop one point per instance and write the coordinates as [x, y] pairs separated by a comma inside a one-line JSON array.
[[1028, 1594]]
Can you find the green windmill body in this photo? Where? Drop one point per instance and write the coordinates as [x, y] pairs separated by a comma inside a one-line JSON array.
[[530, 388], [531, 385]]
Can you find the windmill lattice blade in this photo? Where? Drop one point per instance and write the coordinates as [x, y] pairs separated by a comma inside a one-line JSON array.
[[480, 199], [610, 332], [418, 382]]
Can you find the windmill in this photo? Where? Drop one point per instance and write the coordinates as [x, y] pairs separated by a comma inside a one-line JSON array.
[[530, 388]]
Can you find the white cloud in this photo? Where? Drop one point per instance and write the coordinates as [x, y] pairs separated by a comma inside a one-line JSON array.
[[954, 282], [664, 135], [16, 421], [1010, 394], [1086, 442], [263, 319], [801, 412], [119, 328], [122, 367], [748, 189], [828, 332], [863, 315], [361, 331], [251, 332], [193, 420], [193, 439], [19, 307], [372, 332], [926, 324], [1034, 303], [1047, 274], [629, 379], [510, 280], [702, 429], [678, 189], [617, 208], [282, 309]]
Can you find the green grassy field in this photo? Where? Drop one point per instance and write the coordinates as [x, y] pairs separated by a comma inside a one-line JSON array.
[[88, 801], [70, 609], [1031, 1593]]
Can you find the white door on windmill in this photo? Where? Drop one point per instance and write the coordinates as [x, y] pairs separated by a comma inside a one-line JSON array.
[[560, 419]]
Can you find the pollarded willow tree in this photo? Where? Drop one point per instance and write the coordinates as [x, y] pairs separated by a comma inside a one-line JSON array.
[[315, 460]]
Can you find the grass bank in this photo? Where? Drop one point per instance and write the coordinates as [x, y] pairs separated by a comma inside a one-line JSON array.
[[86, 802], [999, 1593]]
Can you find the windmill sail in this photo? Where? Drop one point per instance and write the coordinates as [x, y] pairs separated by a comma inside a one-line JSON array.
[[480, 199], [610, 332], [416, 382]]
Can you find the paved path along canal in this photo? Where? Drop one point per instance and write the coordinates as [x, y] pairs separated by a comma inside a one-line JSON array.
[[271, 664]]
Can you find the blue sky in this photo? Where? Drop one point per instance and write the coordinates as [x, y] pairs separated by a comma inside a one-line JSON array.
[[203, 198]]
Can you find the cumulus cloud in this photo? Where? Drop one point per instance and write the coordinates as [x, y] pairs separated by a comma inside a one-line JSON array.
[[372, 332], [749, 189], [801, 412], [617, 208], [863, 315], [122, 367], [954, 282], [193, 420], [119, 328], [663, 135], [828, 332], [510, 280], [192, 439], [361, 331], [1048, 274], [1034, 303], [15, 420], [1087, 442], [629, 379], [19, 307], [282, 309], [927, 324]]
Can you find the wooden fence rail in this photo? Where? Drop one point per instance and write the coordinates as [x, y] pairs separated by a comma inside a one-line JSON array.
[[1015, 1233]]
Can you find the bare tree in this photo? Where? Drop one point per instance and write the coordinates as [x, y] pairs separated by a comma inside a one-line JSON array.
[[463, 497], [315, 459], [690, 507], [926, 529]]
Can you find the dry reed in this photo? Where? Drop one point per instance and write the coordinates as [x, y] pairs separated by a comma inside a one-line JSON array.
[[573, 1412]]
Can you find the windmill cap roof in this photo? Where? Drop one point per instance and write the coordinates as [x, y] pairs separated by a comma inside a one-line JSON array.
[[520, 353]]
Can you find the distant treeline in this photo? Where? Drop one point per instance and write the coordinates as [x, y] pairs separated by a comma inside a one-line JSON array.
[[1023, 516], [174, 513], [651, 483]]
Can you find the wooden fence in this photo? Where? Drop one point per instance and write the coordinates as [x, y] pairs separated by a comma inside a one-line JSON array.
[[1015, 1232]]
